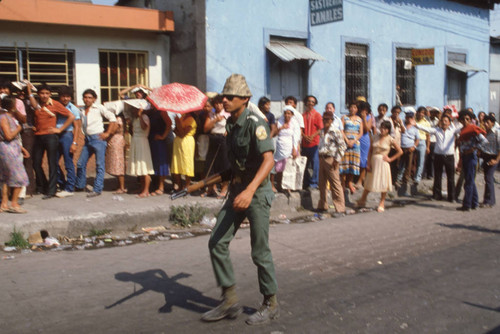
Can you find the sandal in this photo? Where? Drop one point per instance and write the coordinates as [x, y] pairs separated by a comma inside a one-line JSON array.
[[120, 191], [15, 210], [157, 192], [142, 195], [380, 209]]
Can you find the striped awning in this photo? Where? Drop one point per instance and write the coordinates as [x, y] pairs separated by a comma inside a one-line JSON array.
[[287, 51]]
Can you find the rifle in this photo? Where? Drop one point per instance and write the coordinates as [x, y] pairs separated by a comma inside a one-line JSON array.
[[213, 179]]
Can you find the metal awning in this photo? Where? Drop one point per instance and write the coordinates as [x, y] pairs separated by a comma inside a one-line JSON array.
[[463, 67], [287, 51]]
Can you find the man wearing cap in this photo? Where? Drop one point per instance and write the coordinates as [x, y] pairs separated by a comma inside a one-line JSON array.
[[331, 150], [250, 151]]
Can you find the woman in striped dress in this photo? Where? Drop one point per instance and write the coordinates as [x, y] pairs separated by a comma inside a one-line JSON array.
[[353, 130]]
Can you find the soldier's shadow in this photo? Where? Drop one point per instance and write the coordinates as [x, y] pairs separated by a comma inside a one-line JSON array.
[[176, 294]]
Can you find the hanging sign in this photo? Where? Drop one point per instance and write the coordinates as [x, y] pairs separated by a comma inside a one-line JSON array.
[[422, 56], [326, 11]]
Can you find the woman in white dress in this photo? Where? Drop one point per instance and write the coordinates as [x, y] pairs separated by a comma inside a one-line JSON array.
[[379, 177], [139, 161], [287, 143]]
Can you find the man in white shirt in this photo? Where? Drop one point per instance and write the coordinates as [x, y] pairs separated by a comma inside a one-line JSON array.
[[444, 155], [95, 141]]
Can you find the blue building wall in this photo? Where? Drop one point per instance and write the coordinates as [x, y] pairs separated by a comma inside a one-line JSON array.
[[237, 33]]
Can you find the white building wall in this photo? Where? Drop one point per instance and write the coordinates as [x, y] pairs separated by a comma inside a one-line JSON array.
[[86, 43]]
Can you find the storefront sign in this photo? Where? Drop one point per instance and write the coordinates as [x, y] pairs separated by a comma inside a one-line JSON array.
[[422, 56], [326, 11]]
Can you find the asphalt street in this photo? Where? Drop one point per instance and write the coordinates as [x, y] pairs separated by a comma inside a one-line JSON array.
[[423, 268]]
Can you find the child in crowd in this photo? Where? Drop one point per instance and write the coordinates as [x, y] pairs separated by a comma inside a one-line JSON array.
[[140, 163], [115, 155]]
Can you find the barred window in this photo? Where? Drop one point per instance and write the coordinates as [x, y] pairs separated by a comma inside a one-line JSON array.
[[121, 69], [356, 71], [405, 77], [9, 65], [53, 67]]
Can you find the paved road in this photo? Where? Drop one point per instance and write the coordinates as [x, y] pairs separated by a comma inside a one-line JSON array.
[[424, 268]]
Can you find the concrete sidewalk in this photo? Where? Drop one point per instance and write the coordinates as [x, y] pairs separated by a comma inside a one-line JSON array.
[[77, 215]]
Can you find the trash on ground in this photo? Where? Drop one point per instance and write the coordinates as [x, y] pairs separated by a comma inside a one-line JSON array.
[[9, 249], [35, 238], [50, 241], [156, 228], [8, 257], [210, 222], [118, 198]]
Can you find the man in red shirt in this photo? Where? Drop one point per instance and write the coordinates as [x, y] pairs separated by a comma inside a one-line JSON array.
[[313, 124], [46, 138]]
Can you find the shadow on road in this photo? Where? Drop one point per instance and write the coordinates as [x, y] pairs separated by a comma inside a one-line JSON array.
[[475, 228], [483, 307], [176, 294]]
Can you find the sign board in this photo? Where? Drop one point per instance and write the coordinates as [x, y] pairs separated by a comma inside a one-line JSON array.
[[326, 11], [422, 56]]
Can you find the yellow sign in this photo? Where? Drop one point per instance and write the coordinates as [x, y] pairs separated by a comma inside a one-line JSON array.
[[422, 56]]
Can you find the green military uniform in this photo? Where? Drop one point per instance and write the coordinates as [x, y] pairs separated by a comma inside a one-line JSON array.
[[247, 139]]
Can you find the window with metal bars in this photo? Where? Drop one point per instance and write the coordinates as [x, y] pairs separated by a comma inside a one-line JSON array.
[[405, 77], [53, 67], [121, 69], [356, 71]]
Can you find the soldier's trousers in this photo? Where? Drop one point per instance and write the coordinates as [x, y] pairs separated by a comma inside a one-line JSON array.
[[227, 224]]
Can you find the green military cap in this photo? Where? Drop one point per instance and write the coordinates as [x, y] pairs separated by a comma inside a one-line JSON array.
[[236, 85]]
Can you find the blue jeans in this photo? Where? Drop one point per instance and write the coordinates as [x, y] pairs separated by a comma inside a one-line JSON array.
[[489, 180], [65, 142], [93, 145], [420, 154], [471, 198], [312, 163]]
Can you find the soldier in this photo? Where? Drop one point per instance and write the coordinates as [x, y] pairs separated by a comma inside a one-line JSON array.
[[250, 150]]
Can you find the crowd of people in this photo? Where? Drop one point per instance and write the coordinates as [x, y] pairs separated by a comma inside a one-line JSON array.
[[346, 154]]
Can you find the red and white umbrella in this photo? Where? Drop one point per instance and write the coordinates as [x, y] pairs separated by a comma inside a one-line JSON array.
[[177, 97]]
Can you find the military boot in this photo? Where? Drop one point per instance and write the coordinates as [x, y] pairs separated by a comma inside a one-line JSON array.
[[229, 308], [268, 311]]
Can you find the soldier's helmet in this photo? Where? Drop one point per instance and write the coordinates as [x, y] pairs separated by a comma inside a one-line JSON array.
[[237, 85]]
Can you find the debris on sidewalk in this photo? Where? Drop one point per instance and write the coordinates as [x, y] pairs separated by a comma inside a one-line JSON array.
[[50, 241], [206, 221], [156, 228]]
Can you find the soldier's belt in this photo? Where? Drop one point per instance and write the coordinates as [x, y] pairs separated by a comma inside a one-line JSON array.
[[245, 180], [237, 180]]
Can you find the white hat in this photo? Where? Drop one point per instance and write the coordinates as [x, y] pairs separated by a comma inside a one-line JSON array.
[[292, 109], [144, 90]]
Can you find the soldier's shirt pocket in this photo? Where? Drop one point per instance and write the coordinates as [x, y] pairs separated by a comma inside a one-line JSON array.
[[242, 146]]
